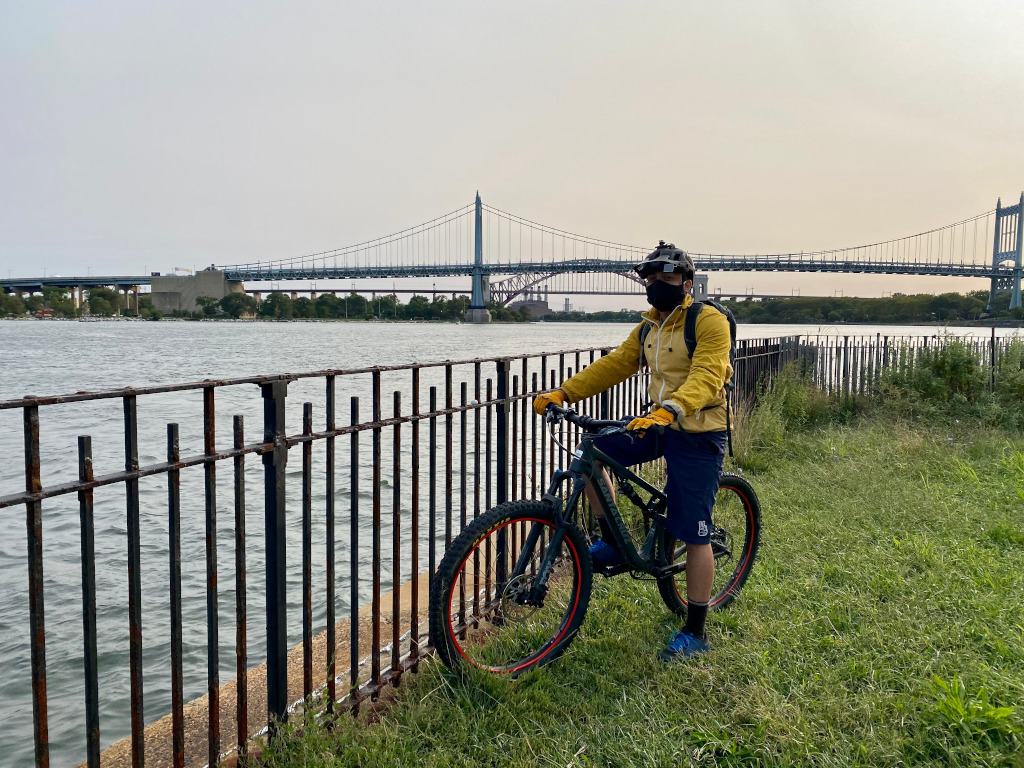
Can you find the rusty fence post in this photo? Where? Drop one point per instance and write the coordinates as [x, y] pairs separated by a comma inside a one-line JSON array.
[[992, 362], [241, 631], [133, 511], [90, 646], [212, 608], [274, 395], [605, 397], [37, 630], [174, 564], [501, 463]]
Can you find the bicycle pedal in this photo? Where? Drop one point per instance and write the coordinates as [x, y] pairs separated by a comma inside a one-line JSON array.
[[613, 570]]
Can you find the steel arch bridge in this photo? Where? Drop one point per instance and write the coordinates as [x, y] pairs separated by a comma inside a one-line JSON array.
[[507, 255], [486, 243]]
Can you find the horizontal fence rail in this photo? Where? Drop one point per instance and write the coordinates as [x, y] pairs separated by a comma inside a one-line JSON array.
[[320, 554]]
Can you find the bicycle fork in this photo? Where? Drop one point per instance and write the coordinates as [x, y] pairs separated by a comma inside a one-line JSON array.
[[539, 588]]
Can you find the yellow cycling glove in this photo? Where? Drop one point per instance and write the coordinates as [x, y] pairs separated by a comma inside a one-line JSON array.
[[659, 418], [544, 399]]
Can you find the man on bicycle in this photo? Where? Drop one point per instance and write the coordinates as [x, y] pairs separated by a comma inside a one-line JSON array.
[[688, 426]]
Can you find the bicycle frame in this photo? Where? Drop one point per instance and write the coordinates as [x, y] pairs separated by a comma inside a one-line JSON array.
[[538, 575], [582, 470]]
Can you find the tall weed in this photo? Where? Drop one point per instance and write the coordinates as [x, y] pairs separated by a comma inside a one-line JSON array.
[[1010, 378], [790, 402], [946, 382], [949, 381], [950, 371], [975, 716]]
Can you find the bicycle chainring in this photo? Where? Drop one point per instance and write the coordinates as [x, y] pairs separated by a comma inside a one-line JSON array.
[[721, 542]]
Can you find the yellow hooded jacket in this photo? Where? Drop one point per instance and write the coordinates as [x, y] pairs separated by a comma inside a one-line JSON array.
[[693, 389]]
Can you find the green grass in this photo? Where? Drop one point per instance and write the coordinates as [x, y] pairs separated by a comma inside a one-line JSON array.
[[883, 625]]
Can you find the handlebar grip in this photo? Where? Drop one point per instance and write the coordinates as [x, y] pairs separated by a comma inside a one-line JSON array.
[[554, 412]]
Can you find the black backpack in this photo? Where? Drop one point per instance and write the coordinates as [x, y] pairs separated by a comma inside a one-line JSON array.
[[690, 339]]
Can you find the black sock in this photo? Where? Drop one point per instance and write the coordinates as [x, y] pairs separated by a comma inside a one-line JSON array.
[[606, 530], [696, 613]]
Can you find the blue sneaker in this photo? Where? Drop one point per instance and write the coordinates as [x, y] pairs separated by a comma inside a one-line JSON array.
[[682, 646], [605, 555]]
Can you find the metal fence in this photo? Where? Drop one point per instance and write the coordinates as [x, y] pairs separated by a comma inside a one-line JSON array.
[[346, 518], [854, 365]]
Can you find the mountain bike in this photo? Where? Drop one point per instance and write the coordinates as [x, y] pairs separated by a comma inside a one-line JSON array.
[[512, 590]]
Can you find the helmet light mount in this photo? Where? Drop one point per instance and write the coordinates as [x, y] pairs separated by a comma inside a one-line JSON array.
[[666, 258]]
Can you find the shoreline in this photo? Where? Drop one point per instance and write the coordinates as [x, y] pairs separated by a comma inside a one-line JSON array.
[[922, 323]]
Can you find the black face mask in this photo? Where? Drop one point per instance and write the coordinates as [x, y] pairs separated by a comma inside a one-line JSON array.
[[663, 296]]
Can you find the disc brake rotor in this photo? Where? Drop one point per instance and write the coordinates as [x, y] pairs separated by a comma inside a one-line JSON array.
[[513, 605]]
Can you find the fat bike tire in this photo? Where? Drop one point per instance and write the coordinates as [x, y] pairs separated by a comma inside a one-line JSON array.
[[474, 624], [735, 539]]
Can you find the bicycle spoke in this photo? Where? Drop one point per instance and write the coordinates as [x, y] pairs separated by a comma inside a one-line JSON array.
[[508, 629]]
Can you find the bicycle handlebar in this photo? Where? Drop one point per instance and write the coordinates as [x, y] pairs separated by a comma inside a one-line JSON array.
[[587, 423]]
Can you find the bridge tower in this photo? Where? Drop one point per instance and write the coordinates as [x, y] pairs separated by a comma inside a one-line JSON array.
[[1008, 246], [477, 312]]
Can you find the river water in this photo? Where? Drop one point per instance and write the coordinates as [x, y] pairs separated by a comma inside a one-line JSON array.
[[53, 357]]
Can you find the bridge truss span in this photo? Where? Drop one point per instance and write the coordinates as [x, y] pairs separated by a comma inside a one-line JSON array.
[[786, 263], [507, 255]]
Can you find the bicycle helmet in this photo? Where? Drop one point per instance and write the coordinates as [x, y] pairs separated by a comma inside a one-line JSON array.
[[666, 258]]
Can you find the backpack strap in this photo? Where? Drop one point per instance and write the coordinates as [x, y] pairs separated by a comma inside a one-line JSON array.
[[645, 329], [690, 326], [690, 331], [690, 337]]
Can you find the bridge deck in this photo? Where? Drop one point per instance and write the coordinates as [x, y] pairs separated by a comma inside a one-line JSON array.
[[257, 273]]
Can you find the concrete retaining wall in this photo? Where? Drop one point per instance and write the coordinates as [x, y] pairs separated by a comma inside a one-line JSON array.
[[173, 293]]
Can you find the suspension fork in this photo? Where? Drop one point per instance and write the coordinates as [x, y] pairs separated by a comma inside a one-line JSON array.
[[539, 589], [526, 553]]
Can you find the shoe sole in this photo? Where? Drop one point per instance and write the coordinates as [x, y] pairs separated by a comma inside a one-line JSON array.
[[669, 657]]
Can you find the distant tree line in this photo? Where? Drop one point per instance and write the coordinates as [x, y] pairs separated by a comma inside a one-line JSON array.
[[328, 306], [899, 309], [621, 316], [101, 302]]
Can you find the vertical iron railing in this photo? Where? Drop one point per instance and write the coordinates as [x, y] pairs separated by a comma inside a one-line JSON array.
[[482, 447], [174, 550], [90, 650], [274, 460]]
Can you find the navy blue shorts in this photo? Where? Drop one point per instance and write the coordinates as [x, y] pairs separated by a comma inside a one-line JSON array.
[[694, 466]]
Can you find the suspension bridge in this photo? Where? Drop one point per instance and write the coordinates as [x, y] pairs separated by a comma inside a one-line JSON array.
[[506, 256]]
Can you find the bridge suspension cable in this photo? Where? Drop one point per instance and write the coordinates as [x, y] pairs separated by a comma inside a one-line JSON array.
[[524, 240], [514, 245], [509, 238], [447, 239]]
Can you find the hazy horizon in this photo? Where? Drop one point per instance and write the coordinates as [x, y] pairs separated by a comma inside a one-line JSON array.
[[183, 134]]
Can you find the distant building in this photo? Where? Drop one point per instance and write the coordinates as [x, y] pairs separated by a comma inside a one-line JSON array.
[[700, 287], [178, 294], [536, 308], [535, 302]]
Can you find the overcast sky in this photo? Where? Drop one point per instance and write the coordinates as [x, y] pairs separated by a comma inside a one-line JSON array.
[[151, 135]]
